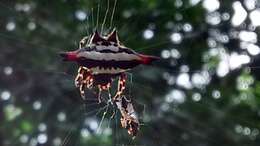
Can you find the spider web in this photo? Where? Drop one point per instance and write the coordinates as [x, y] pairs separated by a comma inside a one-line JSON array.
[[100, 110], [90, 107]]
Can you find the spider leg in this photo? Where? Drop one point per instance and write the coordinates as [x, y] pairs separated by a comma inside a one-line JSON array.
[[79, 77], [123, 122], [83, 79], [132, 125], [121, 86], [82, 91], [128, 119], [83, 41], [89, 81]]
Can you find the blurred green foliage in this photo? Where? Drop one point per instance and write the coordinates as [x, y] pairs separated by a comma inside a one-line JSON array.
[[186, 98]]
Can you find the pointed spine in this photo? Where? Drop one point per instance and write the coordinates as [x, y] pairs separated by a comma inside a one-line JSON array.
[[113, 37], [96, 38]]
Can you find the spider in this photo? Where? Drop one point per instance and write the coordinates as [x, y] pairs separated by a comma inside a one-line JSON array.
[[101, 60], [129, 118]]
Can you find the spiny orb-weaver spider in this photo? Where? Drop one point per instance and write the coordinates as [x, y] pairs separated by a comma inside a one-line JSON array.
[[102, 59]]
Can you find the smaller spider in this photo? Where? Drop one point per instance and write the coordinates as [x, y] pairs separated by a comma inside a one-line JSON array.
[[129, 118]]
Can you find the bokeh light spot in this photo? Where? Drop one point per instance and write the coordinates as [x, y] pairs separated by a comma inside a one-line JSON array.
[[148, 34]]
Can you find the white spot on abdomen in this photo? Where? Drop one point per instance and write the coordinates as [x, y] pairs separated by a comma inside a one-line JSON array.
[[97, 70]]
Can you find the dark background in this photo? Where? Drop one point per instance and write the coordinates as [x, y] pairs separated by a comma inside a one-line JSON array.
[[205, 90]]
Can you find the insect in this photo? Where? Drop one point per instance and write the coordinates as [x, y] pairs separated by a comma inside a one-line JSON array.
[[103, 59]]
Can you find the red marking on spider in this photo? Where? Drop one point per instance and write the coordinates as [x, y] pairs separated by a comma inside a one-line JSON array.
[[102, 59]]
